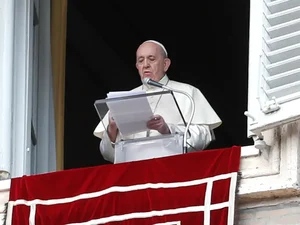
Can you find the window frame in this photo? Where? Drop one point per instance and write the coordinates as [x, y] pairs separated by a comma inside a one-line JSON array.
[[274, 172], [22, 92], [28, 92], [6, 81]]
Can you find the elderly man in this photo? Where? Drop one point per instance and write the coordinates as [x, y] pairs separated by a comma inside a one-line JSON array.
[[152, 61]]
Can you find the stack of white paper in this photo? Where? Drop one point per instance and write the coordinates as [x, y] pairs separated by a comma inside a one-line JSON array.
[[131, 115]]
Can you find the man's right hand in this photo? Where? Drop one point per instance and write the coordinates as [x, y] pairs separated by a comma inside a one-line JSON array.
[[112, 129]]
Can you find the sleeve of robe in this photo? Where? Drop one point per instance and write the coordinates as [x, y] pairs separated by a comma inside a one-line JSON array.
[[106, 148], [199, 138]]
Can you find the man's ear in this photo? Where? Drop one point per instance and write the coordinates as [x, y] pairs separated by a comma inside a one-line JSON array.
[[167, 63]]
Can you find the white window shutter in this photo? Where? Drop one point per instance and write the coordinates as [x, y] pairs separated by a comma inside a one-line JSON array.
[[274, 63]]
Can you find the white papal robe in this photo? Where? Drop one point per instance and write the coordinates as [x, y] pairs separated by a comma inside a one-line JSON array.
[[204, 121]]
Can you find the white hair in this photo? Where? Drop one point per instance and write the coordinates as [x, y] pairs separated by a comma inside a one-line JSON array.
[[159, 44]]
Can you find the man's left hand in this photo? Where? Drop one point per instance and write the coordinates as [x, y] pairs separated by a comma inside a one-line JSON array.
[[158, 123]]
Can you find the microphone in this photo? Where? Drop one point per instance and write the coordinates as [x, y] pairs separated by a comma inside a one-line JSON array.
[[148, 81]]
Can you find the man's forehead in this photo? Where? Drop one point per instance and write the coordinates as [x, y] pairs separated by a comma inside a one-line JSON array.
[[148, 49]]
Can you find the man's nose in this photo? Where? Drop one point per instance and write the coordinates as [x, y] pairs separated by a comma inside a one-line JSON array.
[[146, 63]]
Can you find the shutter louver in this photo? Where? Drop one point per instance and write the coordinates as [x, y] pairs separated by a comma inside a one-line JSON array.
[[281, 51], [274, 64]]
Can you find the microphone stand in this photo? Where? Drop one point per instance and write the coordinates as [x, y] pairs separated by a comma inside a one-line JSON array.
[[175, 100], [191, 117]]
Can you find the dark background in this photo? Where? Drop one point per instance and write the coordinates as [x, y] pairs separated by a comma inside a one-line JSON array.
[[207, 43]]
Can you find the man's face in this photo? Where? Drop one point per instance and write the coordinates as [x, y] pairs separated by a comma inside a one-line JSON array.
[[151, 62]]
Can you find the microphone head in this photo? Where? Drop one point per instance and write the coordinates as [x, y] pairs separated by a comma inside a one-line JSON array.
[[146, 80]]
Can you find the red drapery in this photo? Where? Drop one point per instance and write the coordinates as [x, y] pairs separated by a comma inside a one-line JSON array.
[[194, 188]]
